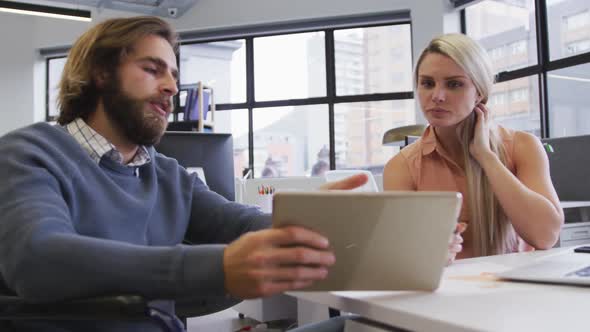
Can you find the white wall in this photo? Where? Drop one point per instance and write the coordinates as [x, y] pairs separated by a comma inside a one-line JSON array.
[[22, 72], [16, 72], [221, 13]]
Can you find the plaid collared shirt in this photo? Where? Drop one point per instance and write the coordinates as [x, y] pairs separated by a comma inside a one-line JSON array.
[[97, 146]]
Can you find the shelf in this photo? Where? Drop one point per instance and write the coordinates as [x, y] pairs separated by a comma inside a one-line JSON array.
[[197, 102], [188, 126]]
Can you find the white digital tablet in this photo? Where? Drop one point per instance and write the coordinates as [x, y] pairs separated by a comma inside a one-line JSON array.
[[382, 241]]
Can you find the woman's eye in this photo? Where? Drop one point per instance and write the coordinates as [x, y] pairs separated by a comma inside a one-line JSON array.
[[427, 84], [454, 84]]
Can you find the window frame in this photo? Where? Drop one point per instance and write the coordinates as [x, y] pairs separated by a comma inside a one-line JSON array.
[[544, 63], [249, 33], [331, 97], [48, 117]]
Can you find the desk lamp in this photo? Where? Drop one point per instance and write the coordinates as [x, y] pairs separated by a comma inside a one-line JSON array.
[[397, 136]]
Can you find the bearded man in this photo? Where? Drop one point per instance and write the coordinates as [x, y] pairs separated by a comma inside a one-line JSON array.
[[89, 208]]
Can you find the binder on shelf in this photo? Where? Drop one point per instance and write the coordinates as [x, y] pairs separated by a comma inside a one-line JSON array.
[[184, 101], [206, 102], [191, 99], [196, 107]]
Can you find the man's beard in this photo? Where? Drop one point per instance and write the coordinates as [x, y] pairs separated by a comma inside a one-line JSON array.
[[130, 117]]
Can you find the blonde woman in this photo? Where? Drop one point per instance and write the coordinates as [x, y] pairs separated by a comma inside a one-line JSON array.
[[509, 201]]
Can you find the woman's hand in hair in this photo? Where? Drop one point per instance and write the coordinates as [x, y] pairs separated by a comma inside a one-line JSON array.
[[480, 145], [456, 242]]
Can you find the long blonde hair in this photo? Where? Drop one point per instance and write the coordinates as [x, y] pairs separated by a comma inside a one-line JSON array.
[[489, 227], [100, 50]]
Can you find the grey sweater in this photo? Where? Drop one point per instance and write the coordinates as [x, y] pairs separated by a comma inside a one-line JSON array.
[[70, 227]]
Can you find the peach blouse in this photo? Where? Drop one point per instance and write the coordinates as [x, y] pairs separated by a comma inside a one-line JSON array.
[[432, 169]]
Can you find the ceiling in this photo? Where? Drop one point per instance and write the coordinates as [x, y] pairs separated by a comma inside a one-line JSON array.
[[163, 8]]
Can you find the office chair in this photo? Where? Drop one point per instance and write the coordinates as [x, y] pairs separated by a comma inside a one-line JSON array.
[[122, 307]]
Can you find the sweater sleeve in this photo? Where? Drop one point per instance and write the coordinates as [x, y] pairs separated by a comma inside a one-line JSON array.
[[214, 219], [43, 258]]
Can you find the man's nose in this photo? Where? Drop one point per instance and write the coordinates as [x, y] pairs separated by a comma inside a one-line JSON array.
[[168, 85]]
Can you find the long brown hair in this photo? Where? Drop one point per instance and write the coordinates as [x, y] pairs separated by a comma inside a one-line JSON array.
[[490, 229], [100, 51]]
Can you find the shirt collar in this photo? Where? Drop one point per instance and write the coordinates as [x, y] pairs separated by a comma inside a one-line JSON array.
[[97, 146], [429, 143]]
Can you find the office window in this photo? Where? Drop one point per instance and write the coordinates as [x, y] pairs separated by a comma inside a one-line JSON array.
[[519, 95], [497, 99], [359, 129], [235, 122], [55, 68], [290, 66], [518, 48], [297, 78], [569, 98], [577, 21], [568, 24], [497, 53], [531, 95], [373, 60], [517, 31], [515, 104], [290, 141], [577, 47], [294, 76], [220, 65]]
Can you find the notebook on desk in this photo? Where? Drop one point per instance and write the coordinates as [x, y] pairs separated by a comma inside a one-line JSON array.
[[382, 241], [569, 268]]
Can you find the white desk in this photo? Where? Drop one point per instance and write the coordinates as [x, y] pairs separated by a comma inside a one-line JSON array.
[[574, 204], [576, 230], [470, 299]]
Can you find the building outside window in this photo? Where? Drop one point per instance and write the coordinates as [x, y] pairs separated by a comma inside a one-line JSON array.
[[577, 47], [577, 21], [539, 95], [297, 124], [497, 53], [518, 47], [55, 66]]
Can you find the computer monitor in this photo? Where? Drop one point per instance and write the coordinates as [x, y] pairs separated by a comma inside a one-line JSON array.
[[212, 152], [568, 165], [410, 139]]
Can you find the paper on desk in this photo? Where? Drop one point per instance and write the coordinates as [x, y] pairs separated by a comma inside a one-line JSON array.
[[474, 272]]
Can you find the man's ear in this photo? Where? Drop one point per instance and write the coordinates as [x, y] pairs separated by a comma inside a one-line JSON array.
[[101, 78]]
